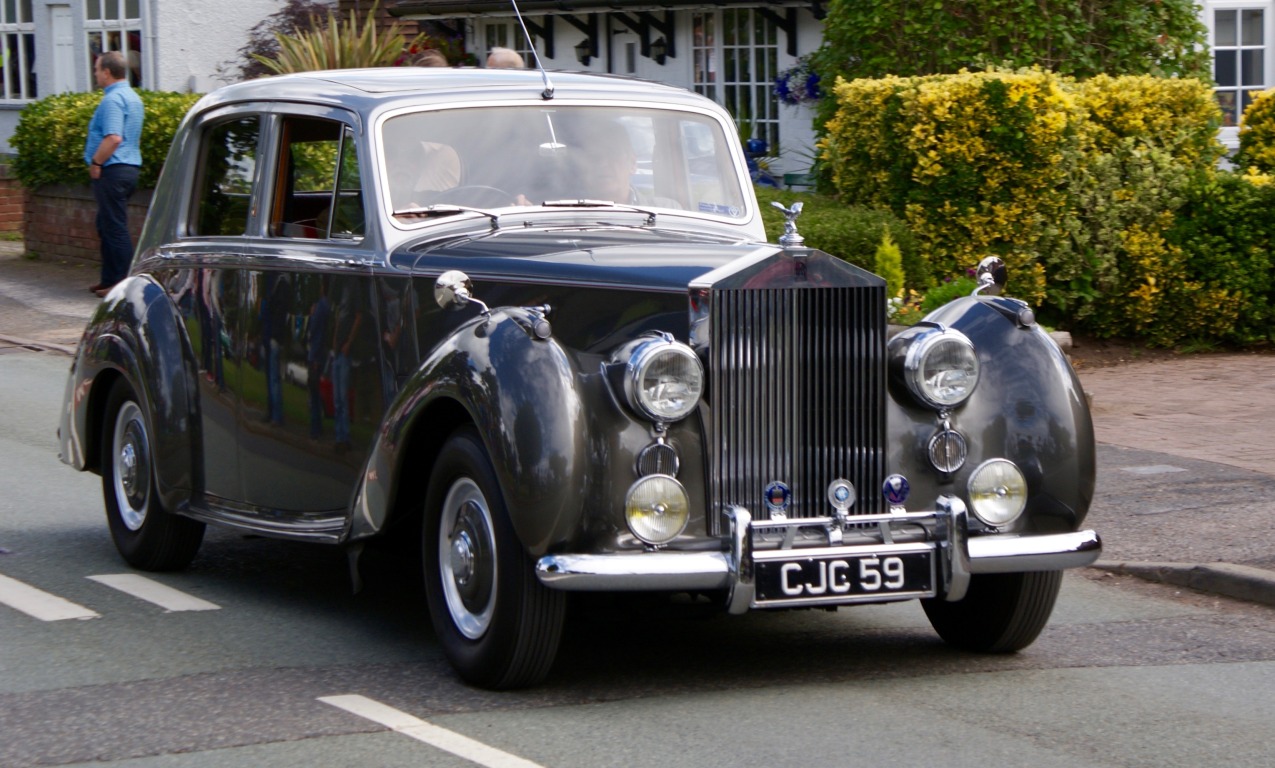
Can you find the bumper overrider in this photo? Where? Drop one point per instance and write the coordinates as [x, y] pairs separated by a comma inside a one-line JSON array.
[[849, 559]]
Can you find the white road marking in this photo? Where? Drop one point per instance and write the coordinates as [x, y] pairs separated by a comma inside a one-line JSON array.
[[153, 592], [40, 604], [1155, 469], [448, 741]]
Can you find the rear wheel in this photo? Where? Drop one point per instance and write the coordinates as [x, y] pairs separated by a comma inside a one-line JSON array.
[[1001, 612], [498, 625], [148, 536]]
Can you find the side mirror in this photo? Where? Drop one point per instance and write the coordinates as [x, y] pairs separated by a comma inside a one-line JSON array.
[[453, 289]]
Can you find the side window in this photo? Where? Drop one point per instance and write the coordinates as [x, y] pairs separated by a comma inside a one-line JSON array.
[[317, 187], [224, 192]]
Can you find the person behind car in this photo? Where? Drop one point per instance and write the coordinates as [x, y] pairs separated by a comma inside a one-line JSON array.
[[431, 58], [504, 58]]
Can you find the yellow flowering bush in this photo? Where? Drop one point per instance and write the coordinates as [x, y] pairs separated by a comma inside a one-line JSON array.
[[1098, 194], [1257, 136]]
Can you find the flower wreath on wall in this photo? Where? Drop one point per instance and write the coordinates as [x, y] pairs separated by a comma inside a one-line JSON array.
[[798, 84]]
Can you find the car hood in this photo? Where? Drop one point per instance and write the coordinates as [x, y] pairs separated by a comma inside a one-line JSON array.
[[631, 257]]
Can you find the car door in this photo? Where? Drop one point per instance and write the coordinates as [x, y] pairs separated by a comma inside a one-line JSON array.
[[311, 398], [202, 275]]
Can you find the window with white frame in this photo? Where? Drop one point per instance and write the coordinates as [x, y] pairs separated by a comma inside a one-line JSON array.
[[1240, 35], [115, 25], [507, 33], [19, 50], [735, 55]]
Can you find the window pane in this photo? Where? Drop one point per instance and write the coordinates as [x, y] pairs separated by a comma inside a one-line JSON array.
[[10, 11], [308, 163], [1251, 67], [225, 191], [1251, 26], [1224, 68], [132, 9], [26, 12], [1224, 28], [111, 10], [1226, 100], [348, 221]]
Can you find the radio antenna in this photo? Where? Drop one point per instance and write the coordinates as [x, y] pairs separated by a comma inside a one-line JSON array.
[[547, 93]]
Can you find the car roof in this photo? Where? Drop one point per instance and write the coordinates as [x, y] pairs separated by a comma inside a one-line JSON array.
[[365, 89]]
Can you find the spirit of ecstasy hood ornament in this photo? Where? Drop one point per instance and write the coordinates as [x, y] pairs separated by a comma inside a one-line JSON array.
[[791, 238]]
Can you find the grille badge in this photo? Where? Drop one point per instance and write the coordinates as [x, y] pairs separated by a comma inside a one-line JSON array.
[[841, 495], [896, 489], [778, 497]]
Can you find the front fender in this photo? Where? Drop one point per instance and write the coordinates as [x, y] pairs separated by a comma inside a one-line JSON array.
[[521, 393], [135, 334], [1028, 407]]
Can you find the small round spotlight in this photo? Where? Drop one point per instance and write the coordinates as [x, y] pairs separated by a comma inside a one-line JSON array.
[[657, 509], [998, 492]]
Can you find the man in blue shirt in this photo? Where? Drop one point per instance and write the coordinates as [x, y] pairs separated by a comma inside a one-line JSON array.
[[114, 157]]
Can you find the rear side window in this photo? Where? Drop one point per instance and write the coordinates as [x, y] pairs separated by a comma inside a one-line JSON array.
[[317, 189], [228, 165]]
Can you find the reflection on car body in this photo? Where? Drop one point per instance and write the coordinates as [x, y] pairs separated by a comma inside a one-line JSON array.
[[388, 303]]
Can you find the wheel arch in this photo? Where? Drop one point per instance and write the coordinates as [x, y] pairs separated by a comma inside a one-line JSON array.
[[138, 337], [536, 435]]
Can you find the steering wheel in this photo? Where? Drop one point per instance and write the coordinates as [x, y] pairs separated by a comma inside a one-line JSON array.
[[477, 195]]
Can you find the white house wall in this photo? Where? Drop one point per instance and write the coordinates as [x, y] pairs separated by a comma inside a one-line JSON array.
[[193, 39]]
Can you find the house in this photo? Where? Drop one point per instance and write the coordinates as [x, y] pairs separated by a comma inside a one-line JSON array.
[[729, 50]]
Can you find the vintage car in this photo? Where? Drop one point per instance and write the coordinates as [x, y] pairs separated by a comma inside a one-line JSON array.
[[530, 322]]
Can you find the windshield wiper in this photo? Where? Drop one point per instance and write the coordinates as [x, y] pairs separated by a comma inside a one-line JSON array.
[[430, 211], [650, 215]]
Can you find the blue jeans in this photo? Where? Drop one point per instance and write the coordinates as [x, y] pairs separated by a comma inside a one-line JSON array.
[[111, 191], [341, 397]]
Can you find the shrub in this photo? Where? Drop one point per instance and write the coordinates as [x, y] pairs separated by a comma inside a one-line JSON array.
[[1180, 116], [974, 162], [263, 39], [340, 44], [851, 233], [1082, 38], [51, 133], [1257, 135]]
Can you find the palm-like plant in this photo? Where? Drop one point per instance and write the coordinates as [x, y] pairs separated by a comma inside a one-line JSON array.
[[339, 45]]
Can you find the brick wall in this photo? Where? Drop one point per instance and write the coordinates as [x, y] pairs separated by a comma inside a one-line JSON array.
[[11, 208], [59, 221]]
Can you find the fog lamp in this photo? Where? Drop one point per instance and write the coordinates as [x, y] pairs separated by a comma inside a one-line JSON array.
[[656, 509], [998, 492]]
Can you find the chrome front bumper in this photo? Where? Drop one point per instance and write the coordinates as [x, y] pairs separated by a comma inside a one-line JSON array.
[[957, 556]]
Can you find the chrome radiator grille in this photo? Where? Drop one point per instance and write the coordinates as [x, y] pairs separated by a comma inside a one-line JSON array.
[[797, 392]]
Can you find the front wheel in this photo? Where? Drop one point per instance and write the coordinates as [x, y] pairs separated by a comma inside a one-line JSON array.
[[1001, 612], [148, 536], [498, 625]]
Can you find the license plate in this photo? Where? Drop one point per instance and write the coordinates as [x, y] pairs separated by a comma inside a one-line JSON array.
[[830, 578]]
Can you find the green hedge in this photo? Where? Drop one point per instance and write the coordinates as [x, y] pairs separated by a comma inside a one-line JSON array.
[[51, 132], [1102, 195], [852, 233]]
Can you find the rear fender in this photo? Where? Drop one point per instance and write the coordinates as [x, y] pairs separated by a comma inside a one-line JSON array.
[[135, 334]]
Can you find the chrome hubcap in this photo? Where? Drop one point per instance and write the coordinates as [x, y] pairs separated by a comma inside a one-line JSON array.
[[132, 466], [467, 558]]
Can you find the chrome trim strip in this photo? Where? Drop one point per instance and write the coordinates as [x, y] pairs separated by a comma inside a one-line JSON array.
[[1050, 552], [635, 572], [743, 583], [956, 567]]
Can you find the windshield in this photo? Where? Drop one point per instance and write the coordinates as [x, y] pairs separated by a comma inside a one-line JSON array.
[[492, 157]]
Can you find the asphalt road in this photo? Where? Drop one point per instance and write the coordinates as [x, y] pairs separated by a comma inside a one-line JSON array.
[[292, 669]]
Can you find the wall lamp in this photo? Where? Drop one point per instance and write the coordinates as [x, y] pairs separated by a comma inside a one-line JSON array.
[[659, 51], [584, 51]]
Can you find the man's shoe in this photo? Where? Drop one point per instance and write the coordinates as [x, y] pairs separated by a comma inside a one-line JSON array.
[[97, 287], [102, 292]]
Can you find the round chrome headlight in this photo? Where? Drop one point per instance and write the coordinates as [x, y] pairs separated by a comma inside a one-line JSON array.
[[656, 509], [664, 380], [941, 368], [998, 492]]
